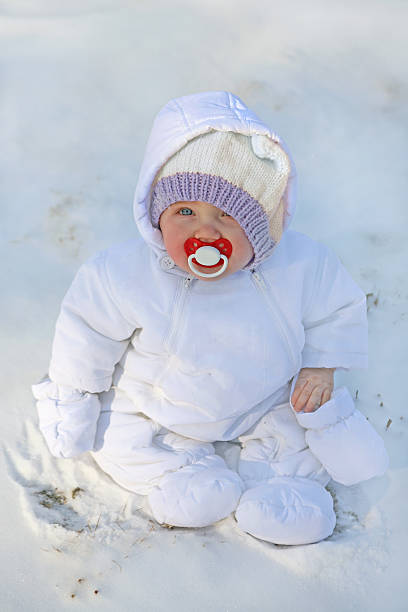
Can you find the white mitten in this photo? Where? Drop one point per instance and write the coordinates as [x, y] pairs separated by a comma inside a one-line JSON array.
[[67, 418], [343, 440]]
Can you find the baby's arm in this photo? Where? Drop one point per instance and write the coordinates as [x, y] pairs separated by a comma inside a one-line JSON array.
[[91, 333], [90, 338], [313, 388], [335, 325], [334, 317]]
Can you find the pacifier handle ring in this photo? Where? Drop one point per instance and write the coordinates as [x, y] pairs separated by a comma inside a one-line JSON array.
[[213, 274]]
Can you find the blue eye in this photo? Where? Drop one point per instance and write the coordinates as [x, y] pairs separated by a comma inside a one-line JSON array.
[[185, 211]]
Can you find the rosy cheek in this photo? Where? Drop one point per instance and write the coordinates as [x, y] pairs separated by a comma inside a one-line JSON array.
[[175, 248]]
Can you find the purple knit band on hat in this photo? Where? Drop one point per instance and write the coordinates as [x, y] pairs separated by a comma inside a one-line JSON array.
[[195, 186]]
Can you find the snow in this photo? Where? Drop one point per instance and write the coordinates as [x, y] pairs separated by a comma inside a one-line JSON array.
[[82, 81]]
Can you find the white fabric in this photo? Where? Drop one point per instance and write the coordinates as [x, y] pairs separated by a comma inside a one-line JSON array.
[[136, 451], [343, 440], [287, 511], [67, 418], [196, 495], [127, 320], [276, 446]]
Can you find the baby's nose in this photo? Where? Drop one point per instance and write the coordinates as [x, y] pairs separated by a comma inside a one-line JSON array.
[[207, 233]]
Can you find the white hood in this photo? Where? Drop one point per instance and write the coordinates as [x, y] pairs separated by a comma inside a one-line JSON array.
[[183, 119]]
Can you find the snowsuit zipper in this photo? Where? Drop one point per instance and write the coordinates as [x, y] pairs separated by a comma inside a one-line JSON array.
[[178, 308], [266, 293], [177, 311]]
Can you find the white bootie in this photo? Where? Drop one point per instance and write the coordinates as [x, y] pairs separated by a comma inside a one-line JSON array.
[[196, 495], [287, 511]]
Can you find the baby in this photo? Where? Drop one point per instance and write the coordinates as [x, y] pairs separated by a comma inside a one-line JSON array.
[[196, 363]]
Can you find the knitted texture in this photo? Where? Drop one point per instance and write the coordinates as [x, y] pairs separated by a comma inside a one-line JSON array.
[[221, 168], [190, 186]]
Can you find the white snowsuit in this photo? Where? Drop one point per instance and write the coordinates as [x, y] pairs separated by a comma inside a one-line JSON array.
[[150, 367]]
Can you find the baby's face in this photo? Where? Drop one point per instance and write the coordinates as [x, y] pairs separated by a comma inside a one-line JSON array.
[[208, 223]]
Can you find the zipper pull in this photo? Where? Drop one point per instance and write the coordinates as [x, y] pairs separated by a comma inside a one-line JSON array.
[[187, 281], [258, 278]]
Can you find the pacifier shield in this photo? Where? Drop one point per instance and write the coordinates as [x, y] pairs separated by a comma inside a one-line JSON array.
[[208, 254]]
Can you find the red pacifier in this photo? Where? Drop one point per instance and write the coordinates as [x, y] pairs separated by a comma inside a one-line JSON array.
[[208, 255]]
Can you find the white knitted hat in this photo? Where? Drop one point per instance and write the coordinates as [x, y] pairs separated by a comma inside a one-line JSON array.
[[245, 176]]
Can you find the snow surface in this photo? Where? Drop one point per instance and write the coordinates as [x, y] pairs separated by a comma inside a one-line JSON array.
[[81, 83]]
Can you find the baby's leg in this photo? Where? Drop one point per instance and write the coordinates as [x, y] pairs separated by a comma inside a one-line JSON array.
[[285, 501], [187, 484]]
